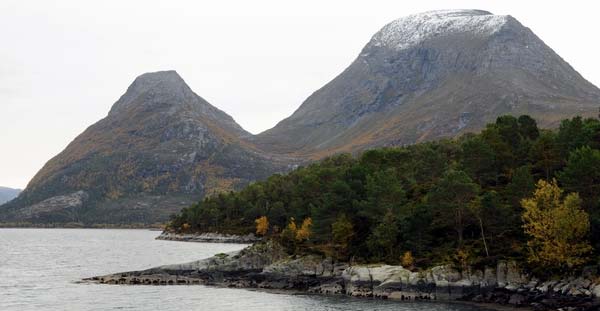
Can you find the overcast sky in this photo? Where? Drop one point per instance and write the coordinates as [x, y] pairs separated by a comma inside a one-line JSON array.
[[64, 63]]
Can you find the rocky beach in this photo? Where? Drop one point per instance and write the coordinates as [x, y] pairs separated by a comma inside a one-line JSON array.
[[208, 237], [266, 265]]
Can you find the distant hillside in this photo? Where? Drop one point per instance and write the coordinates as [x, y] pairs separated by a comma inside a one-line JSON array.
[[7, 194]]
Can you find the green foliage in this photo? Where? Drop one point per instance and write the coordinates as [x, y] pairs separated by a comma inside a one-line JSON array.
[[582, 173], [546, 153], [451, 197], [521, 185], [450, 200], [342, 231], [382, 240]]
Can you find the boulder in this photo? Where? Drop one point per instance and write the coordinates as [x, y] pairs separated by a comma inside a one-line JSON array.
[[517, 300]]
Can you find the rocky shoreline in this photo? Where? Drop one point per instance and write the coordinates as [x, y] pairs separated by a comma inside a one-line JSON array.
[[266, 265], [209, 237]]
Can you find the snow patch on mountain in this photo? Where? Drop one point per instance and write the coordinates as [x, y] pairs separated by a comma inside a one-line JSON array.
[[411, 30]]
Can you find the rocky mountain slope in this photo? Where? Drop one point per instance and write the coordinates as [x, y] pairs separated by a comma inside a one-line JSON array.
[[161, 147], [422, 77], [433, 75], [7, 194]]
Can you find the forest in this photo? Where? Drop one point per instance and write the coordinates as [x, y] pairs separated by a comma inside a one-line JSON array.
[[511, 191]]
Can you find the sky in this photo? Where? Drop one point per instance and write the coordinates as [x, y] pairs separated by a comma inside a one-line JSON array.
[[64, 63]]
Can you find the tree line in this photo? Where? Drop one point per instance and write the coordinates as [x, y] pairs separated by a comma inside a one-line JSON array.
[[511, 191]]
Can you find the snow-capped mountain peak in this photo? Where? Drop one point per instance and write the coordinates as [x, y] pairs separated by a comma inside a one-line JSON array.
[[413, 29]]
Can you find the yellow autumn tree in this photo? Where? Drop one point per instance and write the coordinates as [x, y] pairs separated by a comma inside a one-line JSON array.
[[407, 261], [185, 227], [304, 232], [557, 229], [288, 234], [292, 225], [262, 225]]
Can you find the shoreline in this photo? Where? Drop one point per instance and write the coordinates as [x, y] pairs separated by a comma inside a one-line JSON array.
[[490, 306], [485, 306], [265, 266], [211, 237]]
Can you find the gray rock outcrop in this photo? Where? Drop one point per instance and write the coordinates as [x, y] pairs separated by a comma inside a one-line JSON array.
[[208, 237], [267, 266]]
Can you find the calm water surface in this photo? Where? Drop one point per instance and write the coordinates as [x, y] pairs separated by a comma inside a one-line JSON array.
[[39, 269]]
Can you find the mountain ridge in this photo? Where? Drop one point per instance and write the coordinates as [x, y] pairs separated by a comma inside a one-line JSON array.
[[161, 147], [427, 76], [7, 194], [394, 76]]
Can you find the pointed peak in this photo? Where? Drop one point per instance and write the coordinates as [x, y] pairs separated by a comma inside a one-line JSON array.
[[163, 84], [151, 78], [146, 81]]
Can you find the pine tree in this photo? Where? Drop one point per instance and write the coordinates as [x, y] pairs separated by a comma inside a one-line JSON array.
[[342, 231]]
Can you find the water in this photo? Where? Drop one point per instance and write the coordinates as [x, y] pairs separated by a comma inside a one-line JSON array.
[[39, 269]]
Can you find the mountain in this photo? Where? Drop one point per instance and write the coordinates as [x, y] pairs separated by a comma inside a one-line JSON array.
[[161, 147], [7, 194], [422, 77], [433, 75]]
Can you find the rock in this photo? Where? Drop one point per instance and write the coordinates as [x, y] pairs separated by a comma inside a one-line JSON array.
[[596, 291], [581, 282], [501, 273], [208, 237], [293, 267], [536, 306], [266, 265], [333, 288], [565, 289], [338, 269], [67, 204], [558, 286], [531, 285], [513, 274], [386, 273], [542, 287], [489, 277], [358, 281], [516, 300], [589, 272], [444, 275]]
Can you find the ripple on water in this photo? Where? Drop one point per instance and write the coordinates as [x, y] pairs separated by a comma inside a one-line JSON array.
[[39, 269]]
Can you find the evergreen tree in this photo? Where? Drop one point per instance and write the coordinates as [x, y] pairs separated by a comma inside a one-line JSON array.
[[451, 196], [382, 241], [582, 174]]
